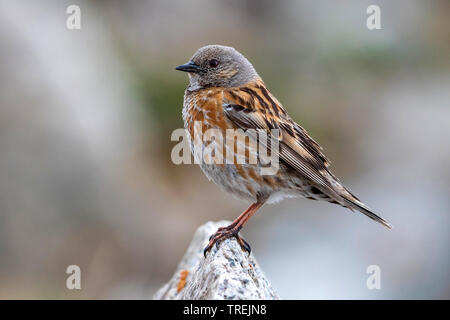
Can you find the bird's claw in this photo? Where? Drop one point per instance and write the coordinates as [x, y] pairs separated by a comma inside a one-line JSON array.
[[225, 233]]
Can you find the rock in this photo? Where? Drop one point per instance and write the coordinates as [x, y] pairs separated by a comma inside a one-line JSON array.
[[227, 272]]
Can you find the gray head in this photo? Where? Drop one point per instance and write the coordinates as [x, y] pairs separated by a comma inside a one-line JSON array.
[[218, 66]]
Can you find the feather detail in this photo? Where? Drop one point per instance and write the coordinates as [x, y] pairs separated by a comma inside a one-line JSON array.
[[254, 107]]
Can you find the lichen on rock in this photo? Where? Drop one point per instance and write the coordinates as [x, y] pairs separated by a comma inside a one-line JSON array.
[[227, 272]]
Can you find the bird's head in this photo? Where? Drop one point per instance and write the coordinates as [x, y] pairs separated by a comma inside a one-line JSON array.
[[218, 66]]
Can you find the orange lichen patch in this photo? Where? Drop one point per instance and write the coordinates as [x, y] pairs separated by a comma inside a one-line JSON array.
[[182, 282]]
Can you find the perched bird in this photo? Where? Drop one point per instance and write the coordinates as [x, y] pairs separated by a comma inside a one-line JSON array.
[[226, 92]]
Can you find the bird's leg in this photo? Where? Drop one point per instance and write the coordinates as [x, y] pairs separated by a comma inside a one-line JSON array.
[[233, 229]]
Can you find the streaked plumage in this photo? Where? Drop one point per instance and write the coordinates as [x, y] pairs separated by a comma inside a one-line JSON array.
[[231, 95]]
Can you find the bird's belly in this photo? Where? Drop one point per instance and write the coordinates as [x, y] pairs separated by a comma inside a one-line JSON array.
[[234, 172], [229, 178], [244, 180]]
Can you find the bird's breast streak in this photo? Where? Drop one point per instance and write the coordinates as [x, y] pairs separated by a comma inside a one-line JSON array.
[[242, 179]]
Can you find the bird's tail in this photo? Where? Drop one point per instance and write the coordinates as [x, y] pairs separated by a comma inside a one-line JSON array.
[[354, 203]]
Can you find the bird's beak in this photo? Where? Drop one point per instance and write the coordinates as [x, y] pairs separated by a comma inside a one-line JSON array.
[[189, 67]]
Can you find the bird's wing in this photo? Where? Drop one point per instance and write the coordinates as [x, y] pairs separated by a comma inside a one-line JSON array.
[[253, 107]]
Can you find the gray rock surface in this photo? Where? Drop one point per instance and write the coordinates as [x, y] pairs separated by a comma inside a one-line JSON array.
[[226, 273]]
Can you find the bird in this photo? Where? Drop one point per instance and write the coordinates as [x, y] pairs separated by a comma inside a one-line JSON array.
[[226, 93]]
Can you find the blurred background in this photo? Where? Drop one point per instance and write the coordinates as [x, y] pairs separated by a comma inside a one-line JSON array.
[[85, 123]]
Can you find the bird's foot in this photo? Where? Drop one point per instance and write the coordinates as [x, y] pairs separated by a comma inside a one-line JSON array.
[[225, 233]]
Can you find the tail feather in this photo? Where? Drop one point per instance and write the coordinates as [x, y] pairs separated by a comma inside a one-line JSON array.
[[338, 192], [354, 203]]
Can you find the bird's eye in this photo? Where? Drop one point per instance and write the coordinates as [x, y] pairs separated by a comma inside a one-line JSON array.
[[213, 63]]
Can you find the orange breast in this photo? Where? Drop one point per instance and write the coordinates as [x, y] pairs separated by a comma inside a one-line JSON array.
[[205, 106], [204, 112]]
